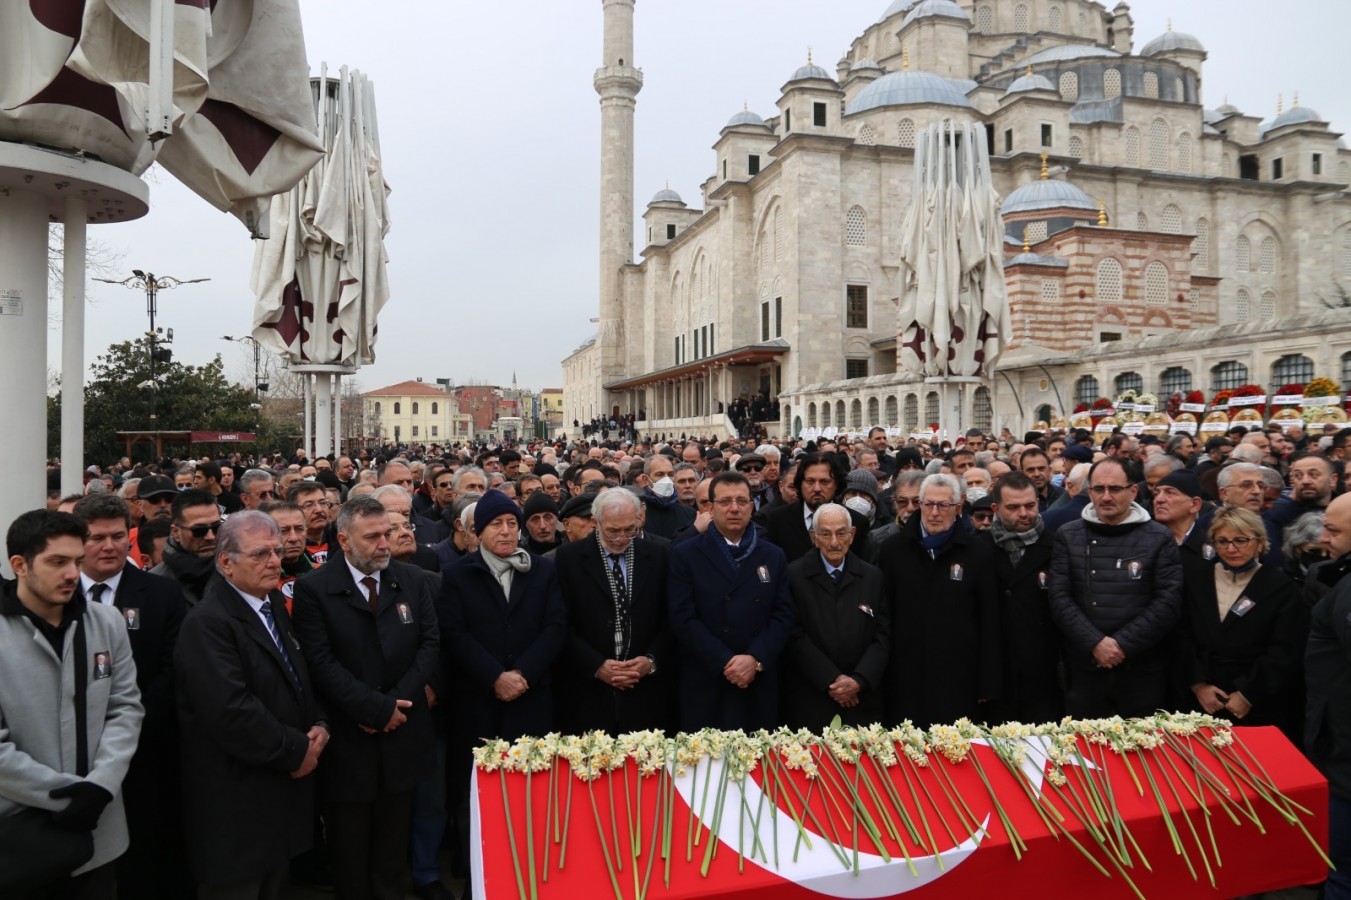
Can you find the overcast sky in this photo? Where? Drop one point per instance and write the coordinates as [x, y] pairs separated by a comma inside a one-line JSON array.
[[490, 138]]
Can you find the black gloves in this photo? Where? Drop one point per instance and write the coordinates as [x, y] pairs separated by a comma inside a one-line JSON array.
[[87, 801]]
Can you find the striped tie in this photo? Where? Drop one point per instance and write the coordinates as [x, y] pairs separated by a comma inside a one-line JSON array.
[[276, 639]]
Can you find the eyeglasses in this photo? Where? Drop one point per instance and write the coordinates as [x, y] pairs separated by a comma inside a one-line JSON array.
[[1098, 490], [982, 516], [158, 499], [262, 554], [201, 531], [751, 468], [267, 495], [937, 506], [313, 504], [1237, 543], [907, 501], [620, 532], [729, 502]]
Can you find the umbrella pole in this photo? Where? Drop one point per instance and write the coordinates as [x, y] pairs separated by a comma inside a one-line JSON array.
[[309, 433]]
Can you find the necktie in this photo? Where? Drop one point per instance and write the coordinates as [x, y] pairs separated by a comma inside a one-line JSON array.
[[96, 592], [836, 575], [276, 639], [621, 606], [618, 571], [371, 593]]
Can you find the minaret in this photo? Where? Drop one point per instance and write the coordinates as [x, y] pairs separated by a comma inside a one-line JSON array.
[[618, 82]]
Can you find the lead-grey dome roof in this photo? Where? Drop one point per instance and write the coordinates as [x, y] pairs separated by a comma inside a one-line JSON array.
[[867, 63], [745, 117], [811, 70], [1294, 116], [897, 6], [1046, 193], [665, 195], [1062, 52], [1031, 82], [1172, 40], [911, 88], [929, 8]]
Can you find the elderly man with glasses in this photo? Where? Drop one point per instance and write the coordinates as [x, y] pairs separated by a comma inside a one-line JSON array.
[[1116, 597]]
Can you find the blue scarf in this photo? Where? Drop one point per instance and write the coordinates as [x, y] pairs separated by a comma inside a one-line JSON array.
[[1246, 567], [738, 554], [661, 502], [935, 542]]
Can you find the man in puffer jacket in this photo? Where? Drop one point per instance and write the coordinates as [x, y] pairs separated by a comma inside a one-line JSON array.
[[1116, 582]]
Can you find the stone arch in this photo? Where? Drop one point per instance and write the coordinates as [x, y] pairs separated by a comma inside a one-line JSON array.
[[839, 414], [911, 413], [1076, 146], [855, 414], [811, 415], [892, 409], [874, 411], [1156, 284], [856, 227], [1158, 144]]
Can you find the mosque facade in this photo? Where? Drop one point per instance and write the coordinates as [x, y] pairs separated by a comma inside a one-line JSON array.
[[1153, 242]]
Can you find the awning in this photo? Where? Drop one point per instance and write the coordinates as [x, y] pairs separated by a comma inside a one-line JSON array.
[[750, 354]]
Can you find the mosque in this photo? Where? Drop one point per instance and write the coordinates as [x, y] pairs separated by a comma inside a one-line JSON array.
[[1153, 242]]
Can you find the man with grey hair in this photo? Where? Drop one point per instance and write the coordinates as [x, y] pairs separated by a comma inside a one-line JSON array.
[[666, 515], [255, 486], [1076, 499], [773, 462], [369, 629], [251, 726], [933, 556], [611, 676], [836, 658], [1159, 467], [1242, 484]]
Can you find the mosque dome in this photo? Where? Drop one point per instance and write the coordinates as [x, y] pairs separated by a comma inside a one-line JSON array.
[[811, 70], [897, 6], [1046, 193], [745, 117], [666, 195], [1030, 82], [908, 89], [868, 63], [1172, 40], [1296, 115], [1228, 109], [929, 8]]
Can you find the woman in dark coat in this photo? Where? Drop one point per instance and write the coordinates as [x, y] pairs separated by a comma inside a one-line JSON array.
[[1243, 629]]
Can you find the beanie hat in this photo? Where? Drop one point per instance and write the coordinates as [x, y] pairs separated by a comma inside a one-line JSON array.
[[1183, 481], [491, 505], [539, 502], [862, 480]]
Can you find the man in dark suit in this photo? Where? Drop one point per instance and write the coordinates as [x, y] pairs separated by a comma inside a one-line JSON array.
[[837, 655], [251, 725], [368, 626], [818, 479], [614, 587], [731, 614], [153, 607], [1032, 650]]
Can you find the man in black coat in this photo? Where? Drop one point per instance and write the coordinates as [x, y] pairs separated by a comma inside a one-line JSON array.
[[818, 479], [252, 727], [616, 671], [154, 866], [946, 648], [836, 659], [1032, 653], [368, 626]]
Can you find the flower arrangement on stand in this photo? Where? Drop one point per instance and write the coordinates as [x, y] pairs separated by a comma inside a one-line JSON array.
[[1322, 387], [1288, 396], [1101, 407], [1080, 408], [1221, 399], [1241, 393]]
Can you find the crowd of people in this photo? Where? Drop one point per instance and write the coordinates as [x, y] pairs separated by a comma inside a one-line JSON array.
[[281, 666]]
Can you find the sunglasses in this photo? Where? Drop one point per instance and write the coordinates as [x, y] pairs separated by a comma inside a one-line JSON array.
[[751, 468], [201, 531]]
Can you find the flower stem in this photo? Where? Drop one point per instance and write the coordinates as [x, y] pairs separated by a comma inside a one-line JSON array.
[[511, 837], [530, 831], [567, 822], [604, 844]]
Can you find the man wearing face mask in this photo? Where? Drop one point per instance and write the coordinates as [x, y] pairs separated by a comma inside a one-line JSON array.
[[666, 515], [860, 494]]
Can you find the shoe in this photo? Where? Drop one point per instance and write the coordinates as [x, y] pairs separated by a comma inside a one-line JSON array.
[[433, 890]]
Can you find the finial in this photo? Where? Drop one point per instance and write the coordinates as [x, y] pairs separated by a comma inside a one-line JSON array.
[[1102, 213], [1170, 23], [745, 106], [1027, 244], [809, 56], [905, 59], [1045, 168], [668, 184], [1029, 70], [1280, 104], [1296, 99]]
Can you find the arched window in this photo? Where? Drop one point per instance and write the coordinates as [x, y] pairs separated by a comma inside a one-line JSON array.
[[856, 227], [1266, 256], [1267, 308], [1158, 144], [1228, 375], [930, 409], [1109, 281], [1293, 368], [905, 133], [377, 409], [396, 407], [1129, 381], [1151, 86], [1069, 86], [1141, 221], [874, 411], [1076, 146], [856, 414], [1132, 146], [436, 408], [1085, 390], [893, 414], [1346, 370], [1243, 254], [1243, 306], [1201, 247], [1156, 284], [1022, 19], [1171, 220], [1035, 232], [415, 405], [912, 411], [811, 415], [778, 234], [825, 414], [867, 136], [1053, 19], [839, 413], [1184, 153], [982, 412], [985, 19], [1111, 84], [1179, 90], [1173, 380]]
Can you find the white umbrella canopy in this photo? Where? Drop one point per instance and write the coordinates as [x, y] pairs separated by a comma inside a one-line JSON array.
[[322, 284], [953, 318]]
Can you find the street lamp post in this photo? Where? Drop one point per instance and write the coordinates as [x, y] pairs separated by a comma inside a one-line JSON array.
[[146, 281], [259, 386]]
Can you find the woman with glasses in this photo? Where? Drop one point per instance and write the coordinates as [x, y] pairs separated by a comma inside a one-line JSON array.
[[1243, 629]]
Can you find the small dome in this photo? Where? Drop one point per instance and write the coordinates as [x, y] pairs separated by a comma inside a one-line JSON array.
[[1170, 41], [1046, 193], [868, 63], [896, 8], [926, 9], [745, 117], [811, 70], [911, 88], [1062, 52], [1031, 82], [1229, 109], [1297, 115], [665, 195]]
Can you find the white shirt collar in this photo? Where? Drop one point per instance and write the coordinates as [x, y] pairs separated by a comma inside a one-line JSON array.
[[830, 570], [87, 584], [357, 574], [255, 603]]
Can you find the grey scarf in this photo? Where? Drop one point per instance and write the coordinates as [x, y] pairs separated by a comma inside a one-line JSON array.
[[1015, 543], [505, 567]]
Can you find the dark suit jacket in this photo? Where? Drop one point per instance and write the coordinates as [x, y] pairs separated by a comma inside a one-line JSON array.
[[786, 529], [362, 663], [838, 629], [717, 612], [244, 724], [584, 702]]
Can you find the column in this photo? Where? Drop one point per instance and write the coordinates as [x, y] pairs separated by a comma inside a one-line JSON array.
[[337, 416], [72, 346], [309, 432], [323, 415]]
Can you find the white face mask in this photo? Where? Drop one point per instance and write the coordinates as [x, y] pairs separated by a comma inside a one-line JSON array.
[[975, 493], [861, 505], [664, 487]]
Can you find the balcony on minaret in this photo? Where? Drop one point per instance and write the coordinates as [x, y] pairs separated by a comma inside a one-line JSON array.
[[618, 81]]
